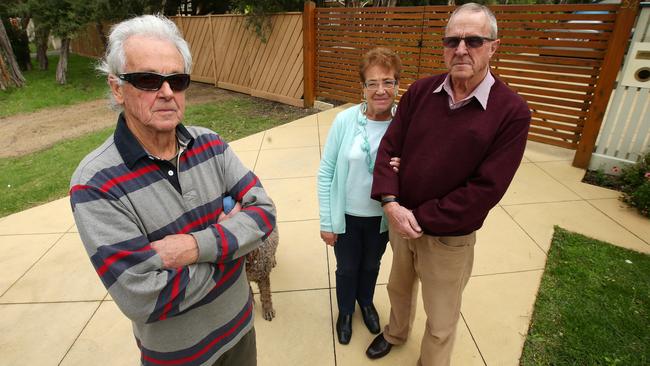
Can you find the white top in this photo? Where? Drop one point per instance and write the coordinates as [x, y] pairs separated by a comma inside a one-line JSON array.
[[359, 182]]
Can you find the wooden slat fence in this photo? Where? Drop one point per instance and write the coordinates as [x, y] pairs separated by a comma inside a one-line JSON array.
[[230, 55], [197, 32], [553, 59], [552, 55], [88, 43]]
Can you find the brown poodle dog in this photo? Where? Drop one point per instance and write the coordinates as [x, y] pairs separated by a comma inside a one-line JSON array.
[[259, 262]]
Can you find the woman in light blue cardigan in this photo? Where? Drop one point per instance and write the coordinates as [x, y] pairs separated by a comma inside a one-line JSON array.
[[350, 220]]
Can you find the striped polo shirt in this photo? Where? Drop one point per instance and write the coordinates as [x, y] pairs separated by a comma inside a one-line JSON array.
[[123, 199]]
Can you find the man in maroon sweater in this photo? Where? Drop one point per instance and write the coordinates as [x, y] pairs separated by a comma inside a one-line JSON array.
[[460, 137]]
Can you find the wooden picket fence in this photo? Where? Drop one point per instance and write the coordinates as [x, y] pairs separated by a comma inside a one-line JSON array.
[[552, 55]]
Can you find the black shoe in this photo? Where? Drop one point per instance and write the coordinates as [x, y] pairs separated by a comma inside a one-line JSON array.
[[344, 328], [371, 318], [378, 348]]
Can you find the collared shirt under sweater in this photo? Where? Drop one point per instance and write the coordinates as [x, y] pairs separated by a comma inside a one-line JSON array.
[[456, 164], [123, 199]]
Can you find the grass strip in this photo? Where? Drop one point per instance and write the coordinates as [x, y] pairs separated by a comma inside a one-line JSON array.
[[45, 175], [592, 307], [42, 90]]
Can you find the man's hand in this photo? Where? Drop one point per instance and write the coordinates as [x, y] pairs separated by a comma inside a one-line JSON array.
[[328, 237], [177, 250], [402, 221]]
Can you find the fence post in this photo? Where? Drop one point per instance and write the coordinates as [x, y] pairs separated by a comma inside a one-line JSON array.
[[611, 65], [309, 53]]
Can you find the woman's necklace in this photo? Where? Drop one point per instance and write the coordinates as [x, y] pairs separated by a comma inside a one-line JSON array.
[[362, 121]]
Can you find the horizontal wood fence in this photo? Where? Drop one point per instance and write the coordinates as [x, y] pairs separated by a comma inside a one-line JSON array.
[[552, 55]]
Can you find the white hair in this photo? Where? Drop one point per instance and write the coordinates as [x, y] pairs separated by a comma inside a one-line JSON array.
[[477, 8], [155, 26]]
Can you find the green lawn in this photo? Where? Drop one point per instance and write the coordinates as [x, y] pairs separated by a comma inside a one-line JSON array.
[[45, 175], [42, 90], [239, 117], [593, 306]]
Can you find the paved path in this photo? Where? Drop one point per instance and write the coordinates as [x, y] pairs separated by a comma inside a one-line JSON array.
[[54, 310]]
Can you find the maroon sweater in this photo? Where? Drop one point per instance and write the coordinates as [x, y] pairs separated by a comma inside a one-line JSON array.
[[456, 164]]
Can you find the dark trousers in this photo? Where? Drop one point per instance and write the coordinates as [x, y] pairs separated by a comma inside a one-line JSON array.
[[358, 256], [244, 353]]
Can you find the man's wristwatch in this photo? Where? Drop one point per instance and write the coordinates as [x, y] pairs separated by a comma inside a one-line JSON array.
[[387, 200]]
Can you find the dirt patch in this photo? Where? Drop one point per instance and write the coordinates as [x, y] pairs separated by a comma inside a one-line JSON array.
[[600, 179], [26, 133]]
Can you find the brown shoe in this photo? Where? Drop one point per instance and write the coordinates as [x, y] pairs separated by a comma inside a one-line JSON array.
[[378, 348]]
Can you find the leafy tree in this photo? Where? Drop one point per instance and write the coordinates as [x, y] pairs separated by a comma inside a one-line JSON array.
[[64, 18], [205, 7], [19, 42], [41, 38], [20, 9], [258, 12], [15, 18], [116, 10]]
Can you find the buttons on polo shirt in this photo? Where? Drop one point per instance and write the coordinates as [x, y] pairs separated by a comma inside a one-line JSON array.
[[170, 173]]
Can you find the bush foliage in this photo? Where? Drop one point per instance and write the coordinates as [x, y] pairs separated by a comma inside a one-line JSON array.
[[636, 185]]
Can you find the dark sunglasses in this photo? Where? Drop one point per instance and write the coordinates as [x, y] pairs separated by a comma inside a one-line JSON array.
[[470, 42], [151, 81]]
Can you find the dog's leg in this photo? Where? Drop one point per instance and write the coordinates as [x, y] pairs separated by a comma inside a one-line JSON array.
[[265, 298]]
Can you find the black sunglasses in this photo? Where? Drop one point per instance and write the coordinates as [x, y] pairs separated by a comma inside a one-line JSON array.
[[470, 42], [151, 81]]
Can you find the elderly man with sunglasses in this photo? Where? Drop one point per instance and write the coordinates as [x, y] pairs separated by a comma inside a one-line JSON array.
[[460, 137], [147, 203]]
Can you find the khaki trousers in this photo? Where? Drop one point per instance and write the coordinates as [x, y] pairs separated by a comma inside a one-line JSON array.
[[443, 265]]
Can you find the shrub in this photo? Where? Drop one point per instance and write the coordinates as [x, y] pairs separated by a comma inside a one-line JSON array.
[[636, 185]]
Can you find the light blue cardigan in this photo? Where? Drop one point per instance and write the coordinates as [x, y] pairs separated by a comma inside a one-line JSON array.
[[333, 172]]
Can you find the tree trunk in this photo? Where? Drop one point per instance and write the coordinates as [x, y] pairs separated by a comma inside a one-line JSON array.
[[42, 38], [62, 67], [24, 22], [10, 74]]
